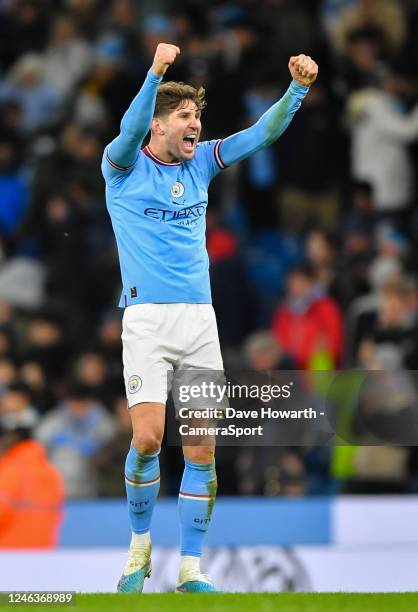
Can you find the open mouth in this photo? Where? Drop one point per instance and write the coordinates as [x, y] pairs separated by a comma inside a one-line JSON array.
[[189, 142]]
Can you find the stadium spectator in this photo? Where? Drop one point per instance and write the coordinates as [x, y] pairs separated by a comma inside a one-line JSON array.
[[15, 400], [388, 263], [385, 413], [109, 344], [308, 322], [392, 328], [5, 341], [8, 373], [72, 433], [67, 58], [321, 253], [110, 460], [362, 61], [377, 124], [13, 189], [262, 353], [24, 28], [72, 161], [31, 489], [90, 370], [385, 16], [358, 226], [109, 81], [311, 197], [33, 375], [230, 286], [272, 472], [122, 20], [260, 171], [46, 342], [86, 16], [27, 86]]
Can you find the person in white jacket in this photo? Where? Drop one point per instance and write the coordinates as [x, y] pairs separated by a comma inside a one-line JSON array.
[[381, 132]]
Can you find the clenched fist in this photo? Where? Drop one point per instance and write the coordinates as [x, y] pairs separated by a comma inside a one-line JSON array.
[[303, 69], [163, 58]]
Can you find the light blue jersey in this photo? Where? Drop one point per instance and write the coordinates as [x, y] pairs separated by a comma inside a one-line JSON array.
[[158, 208], [158, 216]]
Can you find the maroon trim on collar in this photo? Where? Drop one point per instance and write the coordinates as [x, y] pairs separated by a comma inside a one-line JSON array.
[[154, 158]]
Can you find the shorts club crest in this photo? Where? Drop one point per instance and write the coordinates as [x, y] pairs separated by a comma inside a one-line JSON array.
[[160, 337], [134, 384]]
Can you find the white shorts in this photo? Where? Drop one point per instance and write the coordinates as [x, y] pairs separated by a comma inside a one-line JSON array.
[[159, 338]]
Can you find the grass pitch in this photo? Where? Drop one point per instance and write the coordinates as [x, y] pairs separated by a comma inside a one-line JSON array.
[[238, 602]]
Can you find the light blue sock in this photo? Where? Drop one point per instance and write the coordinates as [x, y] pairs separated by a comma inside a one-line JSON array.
[[196, 499], [142, 479]]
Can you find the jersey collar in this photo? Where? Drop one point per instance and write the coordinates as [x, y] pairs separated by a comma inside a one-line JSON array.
[[156, 159]]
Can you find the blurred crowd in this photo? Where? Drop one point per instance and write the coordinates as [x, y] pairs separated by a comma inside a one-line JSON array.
[[312, 242]]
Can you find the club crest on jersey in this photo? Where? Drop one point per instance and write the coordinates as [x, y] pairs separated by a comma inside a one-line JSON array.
[[177, 190], [134, 383]]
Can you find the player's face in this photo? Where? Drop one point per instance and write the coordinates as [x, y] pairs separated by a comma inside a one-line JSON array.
[[182, 130]]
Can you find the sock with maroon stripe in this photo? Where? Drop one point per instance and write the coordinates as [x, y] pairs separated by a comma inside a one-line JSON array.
[[196, 500], [142, 478]]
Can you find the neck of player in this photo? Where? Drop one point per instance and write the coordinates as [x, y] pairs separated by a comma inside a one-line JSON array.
[[159, 150]]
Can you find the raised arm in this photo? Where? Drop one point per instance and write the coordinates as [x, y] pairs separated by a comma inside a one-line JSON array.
[[273, 123], [136, 122]]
